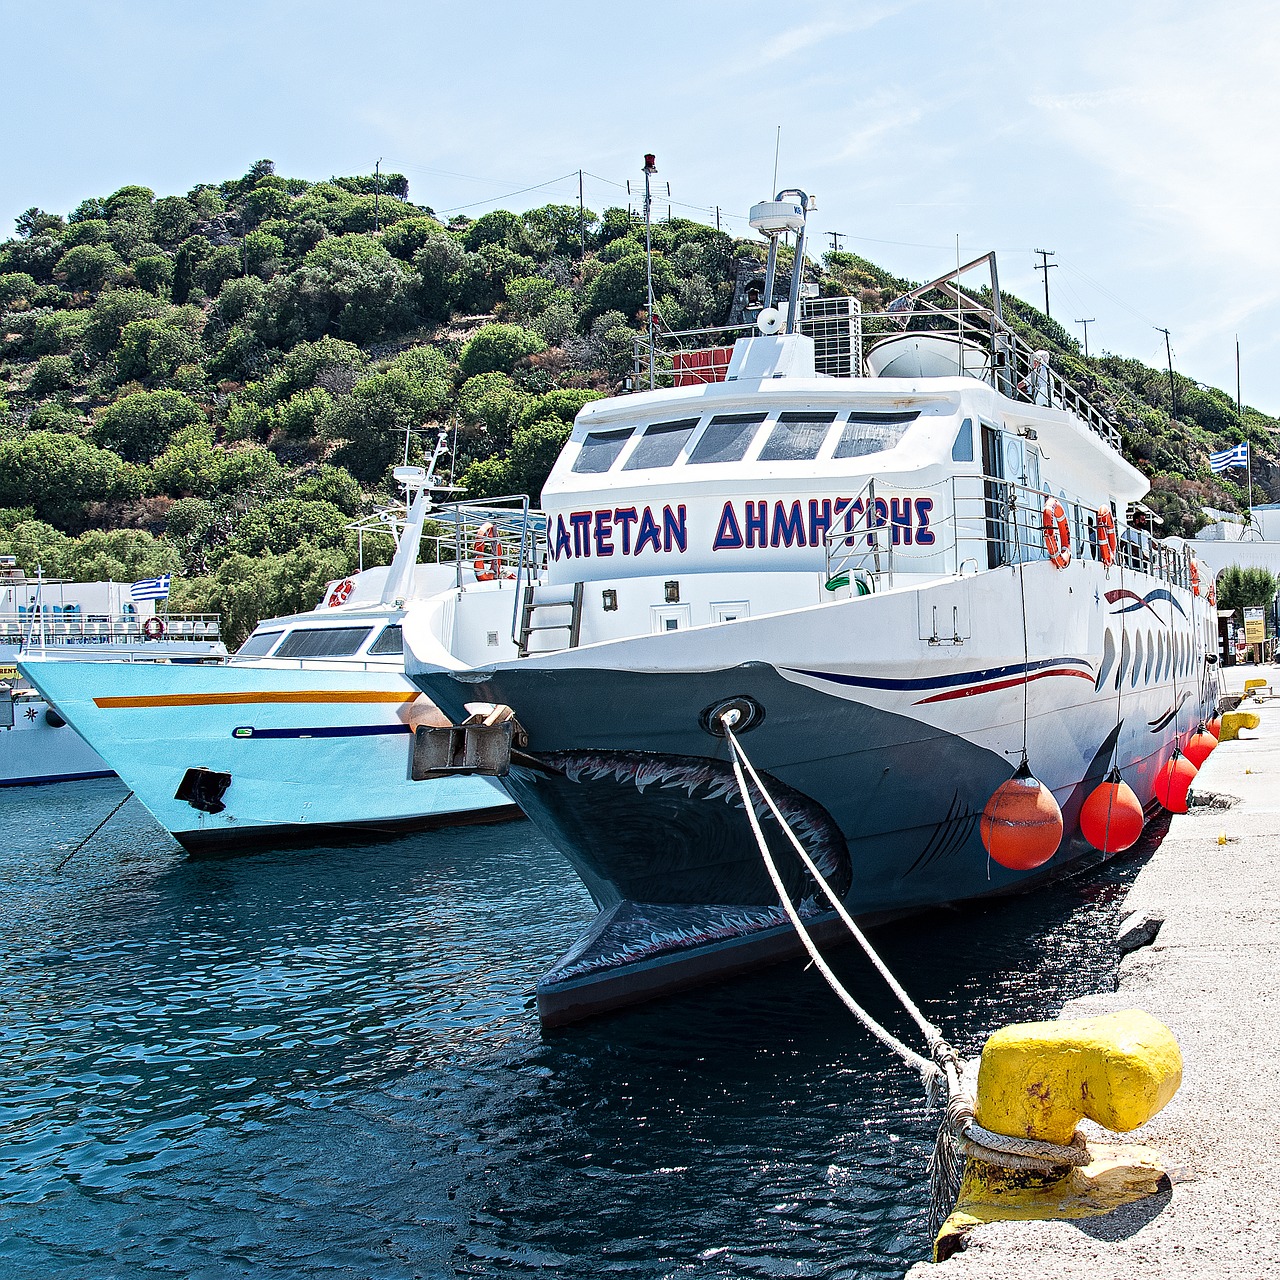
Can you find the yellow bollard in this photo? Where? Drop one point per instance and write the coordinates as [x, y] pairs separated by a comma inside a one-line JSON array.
[[1254, 684], [1038, 1080], [1234, 721]]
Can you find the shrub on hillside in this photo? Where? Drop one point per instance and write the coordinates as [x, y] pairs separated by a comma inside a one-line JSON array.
[[138, 426], [496, 348]]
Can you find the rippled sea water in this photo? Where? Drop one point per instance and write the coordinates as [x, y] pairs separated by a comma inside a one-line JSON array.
[[325, 1063]]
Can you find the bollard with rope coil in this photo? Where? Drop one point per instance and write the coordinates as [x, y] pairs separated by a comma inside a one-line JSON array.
[[942, 1072]]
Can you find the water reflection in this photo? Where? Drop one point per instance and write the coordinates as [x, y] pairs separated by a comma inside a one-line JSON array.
[[326, 1063]]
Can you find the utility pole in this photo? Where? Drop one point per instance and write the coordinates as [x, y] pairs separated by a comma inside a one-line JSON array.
[[836, 237], [717, 217], [1086, 324], [1046, 266], [582, 218], [650, 168], [377, 188], [1173, 390]]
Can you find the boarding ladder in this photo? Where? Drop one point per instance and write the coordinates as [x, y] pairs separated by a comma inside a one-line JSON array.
[[531, 607]]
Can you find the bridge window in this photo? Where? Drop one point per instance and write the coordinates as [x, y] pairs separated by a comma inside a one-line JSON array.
[[726, 437], [258, 644], [600, 451], [797, 437], [866, 432], [962, 449], [328, 642], [390, 641], [660, 445]]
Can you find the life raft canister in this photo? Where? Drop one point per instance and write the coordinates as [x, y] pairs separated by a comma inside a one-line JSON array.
[[1107, 544], [1057, 534], [341, 593], [488, 551], [153, 628]]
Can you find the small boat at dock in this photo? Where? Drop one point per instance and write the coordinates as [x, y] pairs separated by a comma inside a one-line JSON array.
[[303, 735]]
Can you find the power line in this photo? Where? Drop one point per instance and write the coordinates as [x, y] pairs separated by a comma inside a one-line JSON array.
[[836, 237], [564, 177]]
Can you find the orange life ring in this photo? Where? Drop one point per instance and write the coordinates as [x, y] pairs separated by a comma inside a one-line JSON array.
[[488, 549], [1194, 569], [1213, 593], [341, 593], [153, 628], [1107, 544], [1057, 534]]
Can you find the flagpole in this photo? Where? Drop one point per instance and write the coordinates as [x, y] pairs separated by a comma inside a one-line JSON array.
[[1248, 461]]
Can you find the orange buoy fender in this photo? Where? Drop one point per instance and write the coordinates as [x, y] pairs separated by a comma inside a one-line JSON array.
[[1107, 544], [1111, 819], [1174, 781], [1057, 534], [1200, 746], [1021, 825], [488, 553], [1214, 727]]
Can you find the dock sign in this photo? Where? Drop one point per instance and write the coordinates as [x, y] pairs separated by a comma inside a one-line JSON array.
[[1255, 626]]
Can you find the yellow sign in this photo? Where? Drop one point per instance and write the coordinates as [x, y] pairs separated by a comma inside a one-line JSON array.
[[8, 673], [1255, 627]]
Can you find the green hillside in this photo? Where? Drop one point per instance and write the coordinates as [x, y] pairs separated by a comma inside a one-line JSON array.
[[215, 384]]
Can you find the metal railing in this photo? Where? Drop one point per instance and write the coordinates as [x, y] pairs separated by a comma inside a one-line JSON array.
[[1005, 360], [980, 521], [41, 626], [834, 324], [502, 539]]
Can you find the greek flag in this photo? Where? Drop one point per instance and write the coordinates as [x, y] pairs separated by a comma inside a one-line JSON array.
[[151, 588], [1228, 458]]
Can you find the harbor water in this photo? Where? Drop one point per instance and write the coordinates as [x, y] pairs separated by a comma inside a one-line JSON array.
[[326, 1063]]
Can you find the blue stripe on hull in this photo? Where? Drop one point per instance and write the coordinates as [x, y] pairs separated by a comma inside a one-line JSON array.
[[941, 682], [246, 732]]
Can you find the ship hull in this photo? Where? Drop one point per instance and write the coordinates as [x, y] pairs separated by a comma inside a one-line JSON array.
[[881, 764], [310, 754]]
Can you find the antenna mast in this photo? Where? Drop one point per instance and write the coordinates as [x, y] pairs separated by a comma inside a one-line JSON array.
[[650, 168]]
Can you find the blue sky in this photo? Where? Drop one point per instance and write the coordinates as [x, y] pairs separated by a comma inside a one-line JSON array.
[[1137, 140]]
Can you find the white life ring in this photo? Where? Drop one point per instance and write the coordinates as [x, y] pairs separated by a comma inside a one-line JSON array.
[[153, 628]]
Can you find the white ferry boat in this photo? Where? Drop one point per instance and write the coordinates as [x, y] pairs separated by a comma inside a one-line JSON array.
[[304, 734], [82, 622], [905, 580]]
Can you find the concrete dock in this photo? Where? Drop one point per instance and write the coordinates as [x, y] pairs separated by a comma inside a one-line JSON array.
[[1212, 974]]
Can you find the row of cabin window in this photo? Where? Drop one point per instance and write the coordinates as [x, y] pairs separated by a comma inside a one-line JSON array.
[[322, 642], [70, 611], [727, 437]]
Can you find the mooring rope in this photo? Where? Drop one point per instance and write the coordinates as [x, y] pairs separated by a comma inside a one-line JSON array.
[[943, 1073]]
